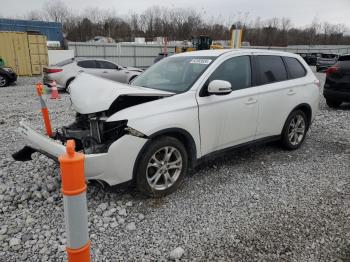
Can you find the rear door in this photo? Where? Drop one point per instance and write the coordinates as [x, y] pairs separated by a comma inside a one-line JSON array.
[[111, 71], [88, 66], [340, 77], [278, 93]]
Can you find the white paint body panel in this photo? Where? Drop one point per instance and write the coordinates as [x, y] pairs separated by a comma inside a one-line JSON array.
[[114, 167], [178, 111], [91, 94]]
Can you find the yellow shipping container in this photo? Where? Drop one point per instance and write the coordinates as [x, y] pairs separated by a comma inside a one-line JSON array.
[[35, 59], [38, 53], [26, 54], [14, 50], [36, 69]]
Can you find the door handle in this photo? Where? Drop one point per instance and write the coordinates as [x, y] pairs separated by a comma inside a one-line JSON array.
[[291, 92], [105, 72], [251, 101], [81, 71]]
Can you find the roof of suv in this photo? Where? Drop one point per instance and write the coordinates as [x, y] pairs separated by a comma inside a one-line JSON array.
[[218, 52]]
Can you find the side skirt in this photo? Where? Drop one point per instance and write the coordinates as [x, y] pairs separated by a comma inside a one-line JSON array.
[[239, 147]]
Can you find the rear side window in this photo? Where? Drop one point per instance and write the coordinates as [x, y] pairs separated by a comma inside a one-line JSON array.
[[87, 64], [295, 68], [236, 70], [106, 65], [271, 69]]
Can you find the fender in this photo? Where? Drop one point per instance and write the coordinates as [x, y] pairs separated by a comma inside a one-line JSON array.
[[178, 133]]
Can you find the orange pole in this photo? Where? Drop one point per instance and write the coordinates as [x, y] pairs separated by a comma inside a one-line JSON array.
[[44, 110], [75, 206]]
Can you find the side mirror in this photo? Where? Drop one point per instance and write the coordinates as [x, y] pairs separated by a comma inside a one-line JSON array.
[[219, 87]]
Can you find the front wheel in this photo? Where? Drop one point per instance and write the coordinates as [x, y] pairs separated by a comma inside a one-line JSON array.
[[294, 130], [162, 167], [3, 81]]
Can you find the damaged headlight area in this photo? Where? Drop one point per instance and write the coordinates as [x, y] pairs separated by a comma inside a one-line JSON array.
[[92, 133]]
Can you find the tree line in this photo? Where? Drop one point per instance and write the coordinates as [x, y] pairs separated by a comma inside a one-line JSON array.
[[181, 24]]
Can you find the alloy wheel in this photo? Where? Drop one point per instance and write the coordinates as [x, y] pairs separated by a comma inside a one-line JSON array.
[[164, 168], [296, 130], [2, 81]]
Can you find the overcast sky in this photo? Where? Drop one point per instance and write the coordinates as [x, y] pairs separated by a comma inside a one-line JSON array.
[[301, 12]]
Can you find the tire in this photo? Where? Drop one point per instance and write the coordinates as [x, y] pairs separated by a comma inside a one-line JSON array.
[[293, 135], [3, 81], [154, 177], [333, 103], [68, 83]]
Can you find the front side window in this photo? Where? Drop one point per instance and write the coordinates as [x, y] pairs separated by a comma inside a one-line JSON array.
[[174, 74], [87, 64], [271, 69], [295, 68], [236, 70]]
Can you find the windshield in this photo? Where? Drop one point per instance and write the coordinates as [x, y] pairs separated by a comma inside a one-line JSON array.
[[174, 74]]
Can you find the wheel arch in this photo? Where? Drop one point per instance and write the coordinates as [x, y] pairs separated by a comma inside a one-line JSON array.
[[69, 81], [132, 78], [306, 108], [182, 135]]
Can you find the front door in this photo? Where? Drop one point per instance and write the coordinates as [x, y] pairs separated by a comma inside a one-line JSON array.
[[228, 120]]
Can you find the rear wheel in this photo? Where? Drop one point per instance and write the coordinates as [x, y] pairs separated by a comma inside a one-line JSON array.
[[333, 103], [294, 130], [3, 81], [162, 167]]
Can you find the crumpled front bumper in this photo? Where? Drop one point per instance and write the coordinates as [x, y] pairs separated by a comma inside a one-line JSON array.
[[114, 167]]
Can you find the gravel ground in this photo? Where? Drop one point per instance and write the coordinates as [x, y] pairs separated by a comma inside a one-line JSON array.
[[259, 204]]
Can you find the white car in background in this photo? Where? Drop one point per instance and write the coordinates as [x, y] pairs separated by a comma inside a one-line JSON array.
[[66, 71], [181, 110]]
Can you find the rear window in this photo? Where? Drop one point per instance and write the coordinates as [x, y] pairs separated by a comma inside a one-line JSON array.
[[271, 69], [65, 62], [295, 68], [87, 64]]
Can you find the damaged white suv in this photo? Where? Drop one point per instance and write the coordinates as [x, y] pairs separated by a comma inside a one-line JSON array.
[[180, 110]]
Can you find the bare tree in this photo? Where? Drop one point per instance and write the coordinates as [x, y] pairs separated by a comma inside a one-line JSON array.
[[56, 10]]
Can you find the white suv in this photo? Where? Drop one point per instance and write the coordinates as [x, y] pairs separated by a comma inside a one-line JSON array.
[[182, 109]]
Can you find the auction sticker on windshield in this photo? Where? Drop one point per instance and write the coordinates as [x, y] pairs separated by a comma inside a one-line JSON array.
[[201, 61]]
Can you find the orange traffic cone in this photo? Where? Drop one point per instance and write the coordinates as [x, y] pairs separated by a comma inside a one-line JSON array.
[[54, 91]]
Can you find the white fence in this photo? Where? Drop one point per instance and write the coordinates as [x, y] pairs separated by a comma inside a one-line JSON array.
[[125, 54], [331, 49], [56, 56], [142, 55]]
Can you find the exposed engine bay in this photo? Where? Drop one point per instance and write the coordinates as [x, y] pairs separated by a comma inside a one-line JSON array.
[[93, 134]]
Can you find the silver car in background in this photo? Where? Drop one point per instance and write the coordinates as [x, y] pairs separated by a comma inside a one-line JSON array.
[[66, 71]]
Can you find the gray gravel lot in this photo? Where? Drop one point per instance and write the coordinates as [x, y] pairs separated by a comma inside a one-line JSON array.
[[259, 204]]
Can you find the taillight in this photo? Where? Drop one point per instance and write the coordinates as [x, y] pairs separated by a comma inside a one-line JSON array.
[[331, 70], [317, 82], [53, 70]]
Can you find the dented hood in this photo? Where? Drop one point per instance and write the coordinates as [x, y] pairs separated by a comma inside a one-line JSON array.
[[91, 94]]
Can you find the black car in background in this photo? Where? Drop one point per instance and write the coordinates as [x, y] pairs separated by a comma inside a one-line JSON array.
[[325, 61], [337, 86], [7, 76], [310, 59]]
